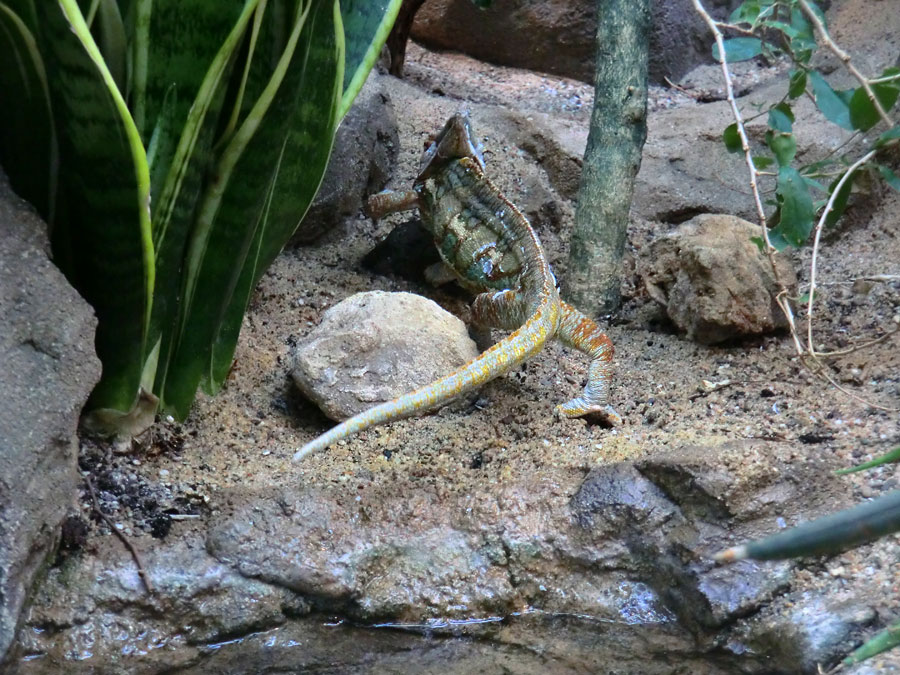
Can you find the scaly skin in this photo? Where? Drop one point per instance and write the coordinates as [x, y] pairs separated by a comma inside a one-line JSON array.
[[491, 247]]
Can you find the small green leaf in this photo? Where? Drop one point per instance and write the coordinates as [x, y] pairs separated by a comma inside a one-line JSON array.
[[890, 177], [881, 642], [887, 458], [829, 102], [863, 114], [739, 49], [783, 146], [746, 12], [732, 138], [814, 184], [801, 25], [840, 201], [763, 162], [781, 118], [890, 135], [790, 31], [797, 84], [760, 243], [795, 206]]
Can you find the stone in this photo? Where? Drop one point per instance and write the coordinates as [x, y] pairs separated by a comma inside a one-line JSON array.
[[49, 369], [375, 346], [561, 34], [714, 282], [362, 161]]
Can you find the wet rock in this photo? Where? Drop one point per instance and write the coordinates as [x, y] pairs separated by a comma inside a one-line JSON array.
[[373, 347], [362, 160], [713, 280], [370, 560], [561, 34], [95, 612], [811, 629], [619, 558], [49, 368], [740, 480]]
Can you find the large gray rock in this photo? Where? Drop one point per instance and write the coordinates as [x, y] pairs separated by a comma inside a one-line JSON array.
[[48, 370], [713, 280], [560, 34], [375, 346], [362, 160], [615, 570]]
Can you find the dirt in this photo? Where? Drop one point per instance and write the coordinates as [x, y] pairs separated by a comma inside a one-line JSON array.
[[670, 392]]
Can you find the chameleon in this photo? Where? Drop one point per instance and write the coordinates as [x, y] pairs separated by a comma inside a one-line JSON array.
[[492, 250]]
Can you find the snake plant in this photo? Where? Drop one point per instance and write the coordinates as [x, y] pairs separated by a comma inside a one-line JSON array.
[[174, 146]]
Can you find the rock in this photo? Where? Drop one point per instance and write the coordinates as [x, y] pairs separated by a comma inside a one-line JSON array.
[[96, 611], [713, 280], [561, 34], [362, 160], [373, 347], [374, 560], [808, 629], [49, 368], [742, 480], [623, 555], [685, 169]]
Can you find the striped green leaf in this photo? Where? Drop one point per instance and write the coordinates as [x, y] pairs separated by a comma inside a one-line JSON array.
[[366, 27], [103, 241], [258, 197], [24, 81]]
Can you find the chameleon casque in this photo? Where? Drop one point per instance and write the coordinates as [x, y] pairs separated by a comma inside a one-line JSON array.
[[492, 249]]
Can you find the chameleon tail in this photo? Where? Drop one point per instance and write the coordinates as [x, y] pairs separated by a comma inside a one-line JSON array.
[[525, 342]]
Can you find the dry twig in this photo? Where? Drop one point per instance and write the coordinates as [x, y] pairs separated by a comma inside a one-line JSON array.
[[142, 572]]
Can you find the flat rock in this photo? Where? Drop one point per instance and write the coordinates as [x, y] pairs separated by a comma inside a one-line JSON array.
[[713, 280], [49, 368], [375, 346]]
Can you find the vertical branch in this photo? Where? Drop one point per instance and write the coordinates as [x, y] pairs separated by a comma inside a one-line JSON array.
[[845, 59], [612, 157], [782, 297]]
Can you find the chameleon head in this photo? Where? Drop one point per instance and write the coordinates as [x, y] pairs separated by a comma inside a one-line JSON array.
[[454, 141]]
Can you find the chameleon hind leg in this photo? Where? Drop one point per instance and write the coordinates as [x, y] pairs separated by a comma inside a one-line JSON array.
[[499, 309], [581, 332]]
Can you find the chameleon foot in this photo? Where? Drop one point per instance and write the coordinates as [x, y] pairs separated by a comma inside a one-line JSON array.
[[605, 414]]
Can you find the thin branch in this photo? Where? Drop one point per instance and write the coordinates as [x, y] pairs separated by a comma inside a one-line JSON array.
[[142, 572], [783, 296], [815, 252], [861, 345], [820, 371], [845, 59]]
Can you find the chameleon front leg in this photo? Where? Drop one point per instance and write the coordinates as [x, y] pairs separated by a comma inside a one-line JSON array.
[[581, 332], [391, 201]]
